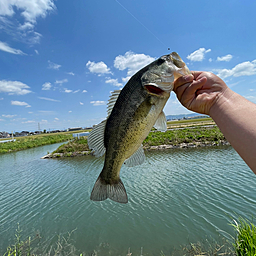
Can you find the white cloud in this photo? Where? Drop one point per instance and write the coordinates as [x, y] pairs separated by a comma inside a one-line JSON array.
[[20, 103], [36, 51], [43, 98], [49, 112], [210, 60], [98, 103], [69, 111], [132, 61], [56, 118], [61, 81], [126, 79], [70, 73], [1, 98], [32, 37], [76, 91], [14, 87], [81, 103], [246, 68], [46, 86], [28, 122], [67, 90], [113, 82], [26, 26], [227, 58], [53, 65], [198, 55], [29, 11], [84, 91], [98, 68], [6, 48], [9, 116]]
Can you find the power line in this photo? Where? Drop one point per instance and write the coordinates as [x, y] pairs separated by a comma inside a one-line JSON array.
[[142, 24]]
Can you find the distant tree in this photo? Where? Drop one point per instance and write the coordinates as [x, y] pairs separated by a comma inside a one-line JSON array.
[[44, 131]]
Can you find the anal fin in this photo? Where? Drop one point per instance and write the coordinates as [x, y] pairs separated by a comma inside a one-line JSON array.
[[136, 159]]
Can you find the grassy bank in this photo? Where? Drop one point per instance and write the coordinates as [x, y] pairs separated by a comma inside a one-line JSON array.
[[243, 244], [33, 141], [190, 122], [245, 241], [185, 135], [189, 135]]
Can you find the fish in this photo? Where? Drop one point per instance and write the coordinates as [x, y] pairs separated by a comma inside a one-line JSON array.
[[131, 114]]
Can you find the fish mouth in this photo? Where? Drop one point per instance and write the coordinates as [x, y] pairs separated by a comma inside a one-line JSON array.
[[154, 89]]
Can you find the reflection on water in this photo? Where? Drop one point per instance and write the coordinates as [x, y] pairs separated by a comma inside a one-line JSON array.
[[175, 197]]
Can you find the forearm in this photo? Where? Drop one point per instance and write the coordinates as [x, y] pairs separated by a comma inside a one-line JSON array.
[[236, 118]]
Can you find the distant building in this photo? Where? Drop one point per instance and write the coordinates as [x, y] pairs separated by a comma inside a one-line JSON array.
[[75, 129], [80, 134], [24, 133], [4, 135], [55, 131]]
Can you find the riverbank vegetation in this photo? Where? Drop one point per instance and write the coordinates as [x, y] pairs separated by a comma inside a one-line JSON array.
[[173, 138], [180, 131], [243, 244], [33, 141], [184, 135]]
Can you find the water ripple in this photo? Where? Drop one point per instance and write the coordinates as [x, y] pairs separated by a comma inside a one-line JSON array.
[[175, 196]]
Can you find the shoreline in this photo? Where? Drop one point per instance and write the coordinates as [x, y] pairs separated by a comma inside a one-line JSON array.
[[194, 144]]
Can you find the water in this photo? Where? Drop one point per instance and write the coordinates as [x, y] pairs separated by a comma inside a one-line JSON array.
[[175, 197]]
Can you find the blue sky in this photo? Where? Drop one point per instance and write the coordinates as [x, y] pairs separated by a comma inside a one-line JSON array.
[[59, 60]]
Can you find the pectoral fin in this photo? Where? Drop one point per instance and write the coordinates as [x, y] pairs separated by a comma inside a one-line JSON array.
[[161, 123]]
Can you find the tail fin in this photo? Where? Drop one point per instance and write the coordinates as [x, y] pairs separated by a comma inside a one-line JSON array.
[[116, 192]]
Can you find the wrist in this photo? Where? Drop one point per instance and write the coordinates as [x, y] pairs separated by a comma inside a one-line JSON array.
[[224, 103]]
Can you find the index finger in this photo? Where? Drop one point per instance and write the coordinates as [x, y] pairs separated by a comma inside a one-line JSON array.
[[183, 80]]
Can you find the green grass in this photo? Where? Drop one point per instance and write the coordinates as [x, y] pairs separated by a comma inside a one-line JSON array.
[[64, 245], [186, 135], [190, 122], [33, 141], [76, 145], [244, 245], [245, 241], [21, 247], [170, 137]]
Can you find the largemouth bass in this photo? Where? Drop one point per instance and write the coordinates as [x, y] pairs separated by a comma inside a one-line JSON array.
[[132, 112]]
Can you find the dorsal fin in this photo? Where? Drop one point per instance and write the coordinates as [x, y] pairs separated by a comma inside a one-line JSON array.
[[96, 139], [112, 100], [136, 159], [161, 122]]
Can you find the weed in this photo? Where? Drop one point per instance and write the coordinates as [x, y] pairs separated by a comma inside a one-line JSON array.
[[245, 241]]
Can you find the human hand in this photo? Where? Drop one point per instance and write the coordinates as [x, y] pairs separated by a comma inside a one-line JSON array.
[[200, 91]]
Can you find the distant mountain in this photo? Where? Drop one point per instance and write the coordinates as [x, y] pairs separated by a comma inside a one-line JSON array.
[[181, 116]]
